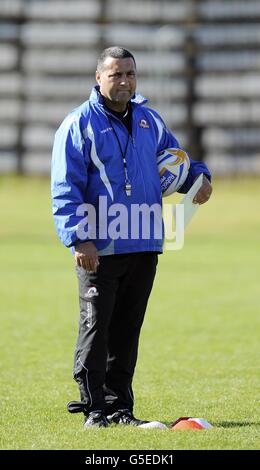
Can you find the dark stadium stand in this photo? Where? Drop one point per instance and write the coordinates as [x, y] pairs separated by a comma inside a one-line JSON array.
[[198, 63]]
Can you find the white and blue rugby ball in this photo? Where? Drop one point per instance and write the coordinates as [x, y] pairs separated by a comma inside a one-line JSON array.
[[173, 166]]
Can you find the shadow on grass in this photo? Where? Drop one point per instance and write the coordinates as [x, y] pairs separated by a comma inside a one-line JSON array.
[[234, 424]]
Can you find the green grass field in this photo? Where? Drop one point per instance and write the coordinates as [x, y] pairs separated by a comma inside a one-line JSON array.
[[199, 348]]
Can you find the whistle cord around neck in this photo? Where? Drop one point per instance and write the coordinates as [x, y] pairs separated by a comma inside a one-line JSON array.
[[128, 186]]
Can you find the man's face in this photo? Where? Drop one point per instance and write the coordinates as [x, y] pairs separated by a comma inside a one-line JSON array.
[[117, 81]]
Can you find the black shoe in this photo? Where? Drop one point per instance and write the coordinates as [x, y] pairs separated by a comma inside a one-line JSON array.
[[96, 418], [125, 417]]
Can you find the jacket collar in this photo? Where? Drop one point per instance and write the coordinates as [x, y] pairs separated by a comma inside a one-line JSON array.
[[97, 98]]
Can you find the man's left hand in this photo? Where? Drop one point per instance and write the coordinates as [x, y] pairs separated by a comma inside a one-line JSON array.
[[204, 192]]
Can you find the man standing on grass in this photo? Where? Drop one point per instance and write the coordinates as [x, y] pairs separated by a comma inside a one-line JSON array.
[[104, 165]]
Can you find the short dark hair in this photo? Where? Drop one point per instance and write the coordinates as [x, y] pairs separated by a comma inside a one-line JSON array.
[[115, 52]]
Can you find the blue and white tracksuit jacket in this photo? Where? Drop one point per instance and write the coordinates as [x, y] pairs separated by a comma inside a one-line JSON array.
[[87, 163]]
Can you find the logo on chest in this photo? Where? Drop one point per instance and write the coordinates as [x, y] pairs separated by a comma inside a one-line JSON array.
[[144, 124]]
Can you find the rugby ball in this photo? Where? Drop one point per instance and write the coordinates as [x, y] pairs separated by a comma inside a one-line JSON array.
[[173, 166]]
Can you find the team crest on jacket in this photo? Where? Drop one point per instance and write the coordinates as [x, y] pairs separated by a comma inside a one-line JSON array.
[[143, 123]]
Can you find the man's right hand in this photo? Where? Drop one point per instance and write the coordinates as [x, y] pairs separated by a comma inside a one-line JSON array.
[[86, 256]]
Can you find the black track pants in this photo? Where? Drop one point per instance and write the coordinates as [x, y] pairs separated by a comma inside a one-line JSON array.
[[112, 307]]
